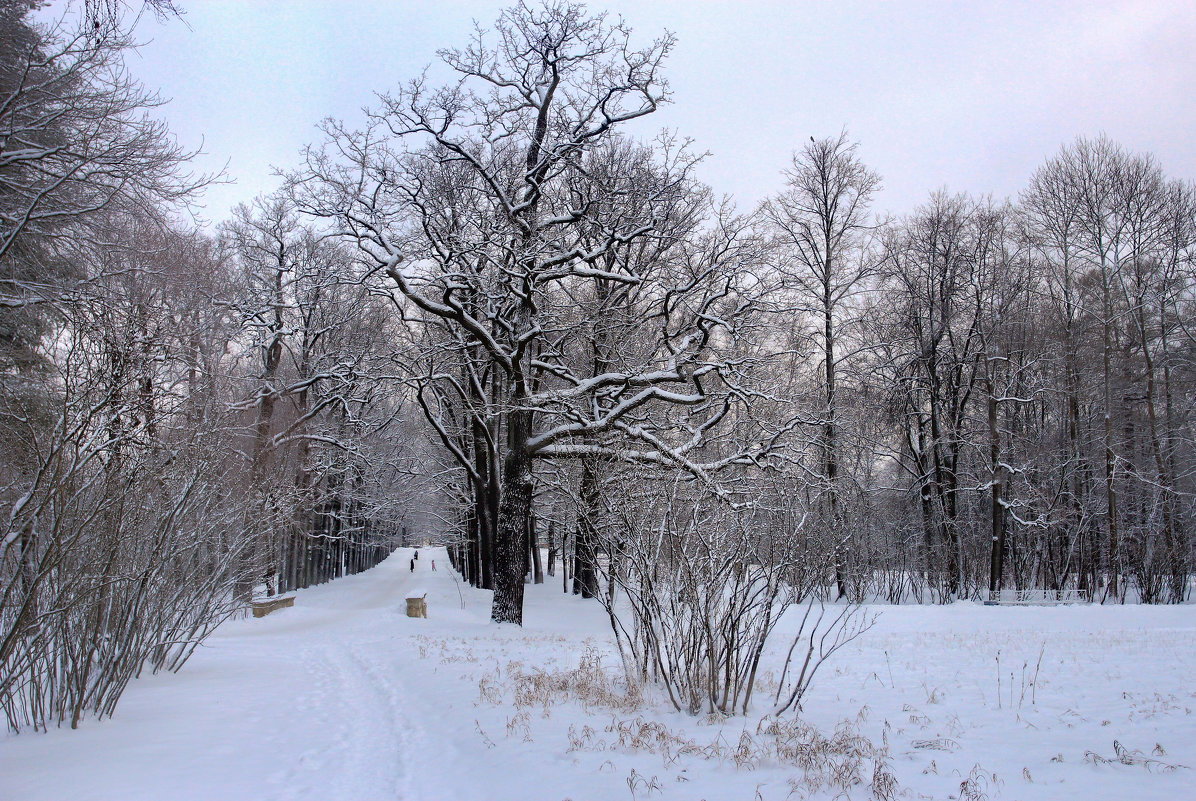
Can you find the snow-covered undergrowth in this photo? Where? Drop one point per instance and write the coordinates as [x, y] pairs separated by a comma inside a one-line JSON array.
[[343, 696]]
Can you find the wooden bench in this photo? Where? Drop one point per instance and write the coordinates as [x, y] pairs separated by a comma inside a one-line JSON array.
[[1011, 597], [265, 606], [418, 606]]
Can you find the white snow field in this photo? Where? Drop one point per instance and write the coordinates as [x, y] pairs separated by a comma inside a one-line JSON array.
[[344, 697]]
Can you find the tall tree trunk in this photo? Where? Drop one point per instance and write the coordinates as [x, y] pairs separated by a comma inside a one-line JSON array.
[[483, 514], [1178, 558], [585, 570], [955, 582], [1079, 486], [255, 528], [1166, 485], [925, 498], [1112, 558], [829, 433], [997, 476], [533, 547], [514, 512]]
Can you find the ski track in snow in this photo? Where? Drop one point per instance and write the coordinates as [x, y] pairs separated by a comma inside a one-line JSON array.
[[342, 697]]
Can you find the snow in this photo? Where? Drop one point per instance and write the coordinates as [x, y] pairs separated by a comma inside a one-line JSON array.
[[344, 697]]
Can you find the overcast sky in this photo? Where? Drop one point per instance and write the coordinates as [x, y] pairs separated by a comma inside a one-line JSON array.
[[970, 96]]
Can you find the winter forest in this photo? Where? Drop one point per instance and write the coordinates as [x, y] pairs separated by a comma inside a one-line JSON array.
[[500, 320]]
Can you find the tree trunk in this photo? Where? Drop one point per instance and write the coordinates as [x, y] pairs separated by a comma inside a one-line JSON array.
[[1079, 484], [534, 549], [514, 512], [585, 573], [1178, 558], [831, 452], [261, 448], [997, 474], [1112, 560], [1166, 485]]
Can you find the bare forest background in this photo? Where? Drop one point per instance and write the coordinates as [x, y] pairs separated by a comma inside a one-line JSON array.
[[492, 319]]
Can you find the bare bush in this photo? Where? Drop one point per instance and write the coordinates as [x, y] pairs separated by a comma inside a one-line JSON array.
[[704, 584], [116, 555]]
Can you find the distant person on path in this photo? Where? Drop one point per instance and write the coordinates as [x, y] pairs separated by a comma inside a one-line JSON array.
[[412, 565], [433, 565], [416, 555]]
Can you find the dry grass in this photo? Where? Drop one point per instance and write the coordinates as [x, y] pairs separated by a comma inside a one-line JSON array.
[[979, 784], [589, 684], [845, 763], [1124, 756], [842, 763]]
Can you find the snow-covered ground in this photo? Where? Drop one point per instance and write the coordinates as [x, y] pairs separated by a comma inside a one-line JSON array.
[[344, 697]]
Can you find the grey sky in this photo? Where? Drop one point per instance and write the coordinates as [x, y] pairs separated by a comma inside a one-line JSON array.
[[970, 95]]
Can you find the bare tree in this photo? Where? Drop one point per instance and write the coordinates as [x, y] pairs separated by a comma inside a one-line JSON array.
[[313, 371], [77, 135], [1050, 208], [519, 127], [1097, 170], [823, 223], [929, 274]]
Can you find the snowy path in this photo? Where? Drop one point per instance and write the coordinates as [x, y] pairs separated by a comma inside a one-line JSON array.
[[305, 703]]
